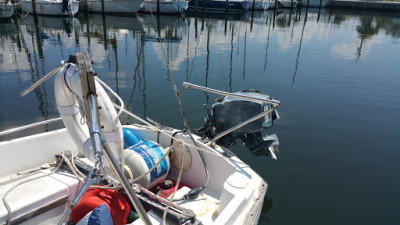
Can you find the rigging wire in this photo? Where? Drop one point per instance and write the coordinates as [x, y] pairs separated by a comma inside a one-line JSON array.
[[185, 122]]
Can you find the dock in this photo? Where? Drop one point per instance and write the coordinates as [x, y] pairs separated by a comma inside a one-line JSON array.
[[367, 5]]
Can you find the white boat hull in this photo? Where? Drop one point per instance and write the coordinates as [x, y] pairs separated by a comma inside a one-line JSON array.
[[216, 186], [6, 10], [167, 7], [261, 5], [287, 4], [315, 3], [234, 194], [50, 8], [115, 6], [282, 4]]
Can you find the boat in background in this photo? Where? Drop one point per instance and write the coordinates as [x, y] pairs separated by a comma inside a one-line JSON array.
[[51, 7], [282, 4], [112, 6], [271, 4], [220, 5], [287, 3], [261, 5], [166, 6], [314, 3], [6, 9]]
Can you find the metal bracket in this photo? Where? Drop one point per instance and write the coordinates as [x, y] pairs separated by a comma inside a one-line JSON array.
[[86, 75], [89, 181]]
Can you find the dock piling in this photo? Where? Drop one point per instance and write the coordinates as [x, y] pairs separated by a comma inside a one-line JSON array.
[[102, 6], [34, 7]]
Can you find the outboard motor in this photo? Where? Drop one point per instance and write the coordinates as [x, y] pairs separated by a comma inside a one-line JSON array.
[[228, 112]]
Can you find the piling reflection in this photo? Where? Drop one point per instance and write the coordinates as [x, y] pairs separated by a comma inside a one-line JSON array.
[[269, 22], [298, 53], [140, 56], [215, 49]]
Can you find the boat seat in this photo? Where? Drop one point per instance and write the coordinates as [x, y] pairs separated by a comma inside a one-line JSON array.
[[40, 198]]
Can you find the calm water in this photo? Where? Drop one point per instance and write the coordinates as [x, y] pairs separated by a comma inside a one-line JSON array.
[[337, 74]]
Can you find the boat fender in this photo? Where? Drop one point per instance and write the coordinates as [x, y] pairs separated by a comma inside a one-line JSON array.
[[68, 90], [130, 138], [142, 156]]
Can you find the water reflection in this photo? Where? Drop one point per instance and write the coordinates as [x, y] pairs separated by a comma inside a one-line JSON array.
[[301, 41], [139, 57], [220, 43], [30, 42], [267, 206]]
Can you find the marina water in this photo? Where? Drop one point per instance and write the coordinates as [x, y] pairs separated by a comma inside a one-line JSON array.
[[337, 74]]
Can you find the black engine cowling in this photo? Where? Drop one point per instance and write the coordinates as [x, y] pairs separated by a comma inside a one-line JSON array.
[[228, 111]]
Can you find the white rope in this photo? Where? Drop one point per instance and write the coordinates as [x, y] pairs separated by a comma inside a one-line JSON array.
[[134, 116], [79, 175], [152, 168], [151, 126], [21, 176], [176, 188], [15, 186]]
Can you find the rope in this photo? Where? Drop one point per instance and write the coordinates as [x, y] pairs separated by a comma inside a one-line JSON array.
[[180, 212], [23, 175], [152, 168], [80, 176], [204, 162], [185, 122], [8, 221], [176, 188], [151, 126]]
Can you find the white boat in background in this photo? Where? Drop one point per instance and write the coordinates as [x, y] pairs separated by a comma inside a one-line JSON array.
[[113, 6], [282, 4], [6, 9], [51, 7], [44, 177], [314, 3], [221, 5], [287, 4], [261, 5], [166, 6]]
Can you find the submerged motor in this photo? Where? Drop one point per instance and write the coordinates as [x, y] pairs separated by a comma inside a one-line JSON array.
[[229, 111]]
